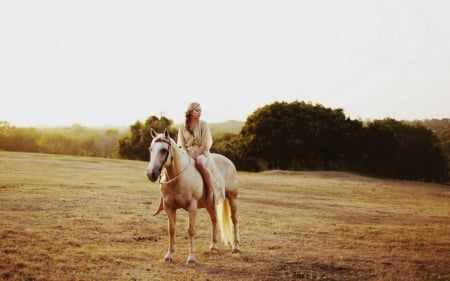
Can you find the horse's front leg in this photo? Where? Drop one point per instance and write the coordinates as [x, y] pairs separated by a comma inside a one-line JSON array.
[[191, 231], [172, 219]]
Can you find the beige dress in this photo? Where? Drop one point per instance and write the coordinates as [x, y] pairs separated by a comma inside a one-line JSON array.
[[191, 142]]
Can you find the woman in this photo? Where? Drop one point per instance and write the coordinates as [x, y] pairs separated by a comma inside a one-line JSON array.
[[194, 136]]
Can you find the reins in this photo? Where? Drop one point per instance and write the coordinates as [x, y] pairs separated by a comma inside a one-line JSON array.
[[177, 176]]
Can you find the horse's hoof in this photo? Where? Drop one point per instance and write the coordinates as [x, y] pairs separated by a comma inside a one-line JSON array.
[[213, 248], [235, 251], [168, 257], [191, 262]]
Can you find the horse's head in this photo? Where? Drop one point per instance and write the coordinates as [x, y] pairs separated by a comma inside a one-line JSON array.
[[160, 150]]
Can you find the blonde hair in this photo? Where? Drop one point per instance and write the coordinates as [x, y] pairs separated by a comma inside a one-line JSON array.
[[191, 107]]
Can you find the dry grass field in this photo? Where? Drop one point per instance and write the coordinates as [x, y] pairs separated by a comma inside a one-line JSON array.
[[80, 218]]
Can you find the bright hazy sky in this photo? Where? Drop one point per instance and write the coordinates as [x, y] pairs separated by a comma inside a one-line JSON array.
[[102, 62]]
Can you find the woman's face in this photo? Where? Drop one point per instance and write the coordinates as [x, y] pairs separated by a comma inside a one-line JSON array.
[[196, 113]]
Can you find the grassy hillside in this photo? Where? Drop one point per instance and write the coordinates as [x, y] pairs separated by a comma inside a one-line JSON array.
[[233, 127], [219, 128], [80, 218]]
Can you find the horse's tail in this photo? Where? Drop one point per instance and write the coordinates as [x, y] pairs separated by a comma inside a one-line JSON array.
[[225, 223]]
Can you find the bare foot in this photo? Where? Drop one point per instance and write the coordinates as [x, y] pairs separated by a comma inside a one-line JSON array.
[[160, 207]]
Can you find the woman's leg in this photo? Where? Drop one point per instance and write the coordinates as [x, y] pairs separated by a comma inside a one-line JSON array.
[[160, 207], [207, 179]]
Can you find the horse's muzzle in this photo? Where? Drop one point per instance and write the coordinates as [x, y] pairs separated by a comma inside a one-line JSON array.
[[152, 175]]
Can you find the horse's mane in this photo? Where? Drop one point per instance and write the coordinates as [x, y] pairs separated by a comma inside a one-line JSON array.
[[172, 141]]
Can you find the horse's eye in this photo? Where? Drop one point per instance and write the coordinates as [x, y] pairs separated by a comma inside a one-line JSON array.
[[164, 151]]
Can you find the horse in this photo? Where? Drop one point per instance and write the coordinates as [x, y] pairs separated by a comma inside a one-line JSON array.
[[182, 187]]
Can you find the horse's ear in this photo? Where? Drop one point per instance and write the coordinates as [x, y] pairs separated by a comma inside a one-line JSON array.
[[166, 133], [153, 132]]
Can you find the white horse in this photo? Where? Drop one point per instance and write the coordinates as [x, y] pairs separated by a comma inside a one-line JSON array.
[[182, 187]]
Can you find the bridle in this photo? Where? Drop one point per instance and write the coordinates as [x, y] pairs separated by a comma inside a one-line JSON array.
[[163, 164]]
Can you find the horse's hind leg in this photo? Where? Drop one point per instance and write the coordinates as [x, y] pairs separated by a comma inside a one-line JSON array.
[[235, 220], [213, 215]]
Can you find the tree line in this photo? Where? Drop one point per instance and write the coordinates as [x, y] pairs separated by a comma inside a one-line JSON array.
[[74, 140], [301, 136], [281, 135]]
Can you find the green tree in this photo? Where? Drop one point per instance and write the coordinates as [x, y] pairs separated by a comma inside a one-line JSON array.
[[105, 143], [297, 135], [135, 146], [228, 144], [18, 139], [398, 150]]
